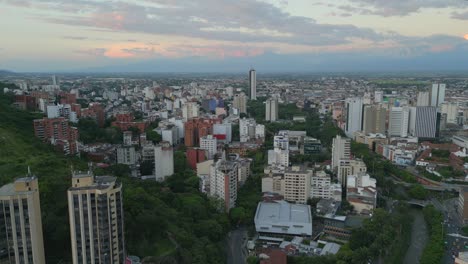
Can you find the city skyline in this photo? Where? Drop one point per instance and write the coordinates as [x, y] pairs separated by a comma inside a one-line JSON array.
[[194, 36]]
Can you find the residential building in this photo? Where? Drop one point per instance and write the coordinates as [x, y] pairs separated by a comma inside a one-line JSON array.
[[223, 182], [195, 156], [163, 160], [349, 167], [126, 155], [278, 156], [375, 117], [451, 110], [240, 103], [253, 84], [95, 207], [198, 127], [210, 145], [322, 187], [273, 183], [203, 173], [399, 121], [423, 99], [223, 132], [275, 219], [190, 110], [341, 149], [361, 193], [311, 146], [249, 130], [354, 115], [21, 239], [378, 97], [57, 132], [271, 110], [297, 184]]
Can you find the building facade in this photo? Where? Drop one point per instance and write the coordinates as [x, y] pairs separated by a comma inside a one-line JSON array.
[[297, 184], [271, 110], [341, 149], [224, 181], [163, 160]]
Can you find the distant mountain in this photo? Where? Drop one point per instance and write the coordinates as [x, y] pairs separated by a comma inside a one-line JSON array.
[[6, 72]]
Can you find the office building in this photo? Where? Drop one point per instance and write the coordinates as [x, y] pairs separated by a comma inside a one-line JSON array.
[[253, 84], [95, 207], [399, 121], [423, 99], [163, 160], [280, 218], [223, 182], [271, 110], [374, 119], [341, 150], [354, 115], [240, 103], [210, 145], [297, 184], [311, 146], [437, 94], [451, 110], [21, 239], [426, 122], [350, 167]]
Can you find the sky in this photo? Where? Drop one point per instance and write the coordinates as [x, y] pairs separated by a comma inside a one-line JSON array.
[[233, 35]]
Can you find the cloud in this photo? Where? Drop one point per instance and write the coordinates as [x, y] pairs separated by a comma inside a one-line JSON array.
[[389, 8], [74, 37], [461, 16], [96, 52]]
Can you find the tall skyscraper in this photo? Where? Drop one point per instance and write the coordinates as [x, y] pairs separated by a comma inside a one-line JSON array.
[[354, 116], [341, 149], [240, 103], [54, 80], [423, 99], [271, 110], [437, 94], [96, 219], [399, 121], [253, 84], [374, 119], [21, 238], [163, 160], [378, 96], [426, 122]]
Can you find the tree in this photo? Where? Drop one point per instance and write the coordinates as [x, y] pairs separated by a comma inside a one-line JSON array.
[[237, 215], [418, 192], [153, 136]]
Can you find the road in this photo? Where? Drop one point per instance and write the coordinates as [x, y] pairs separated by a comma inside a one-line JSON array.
[[419, 237], [237, 246]]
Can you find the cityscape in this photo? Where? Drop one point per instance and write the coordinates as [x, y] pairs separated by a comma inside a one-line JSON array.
[[237, 132]]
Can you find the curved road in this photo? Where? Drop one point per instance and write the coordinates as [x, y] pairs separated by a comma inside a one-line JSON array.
[[419, 238]]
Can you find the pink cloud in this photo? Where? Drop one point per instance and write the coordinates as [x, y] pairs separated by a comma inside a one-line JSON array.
[[442, 48]]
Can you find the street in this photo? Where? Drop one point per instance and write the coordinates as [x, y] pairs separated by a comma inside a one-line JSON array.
[[236, 246]]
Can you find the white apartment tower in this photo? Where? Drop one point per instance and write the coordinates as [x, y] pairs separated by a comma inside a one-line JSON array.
[[96, 216], [223, 182], [190, 110], [209, 143], [253, 84], [163, 160], [399, 121], [297, 184], [240, 103], [354, 115], [437, 94], [423, 99], [20, 222], [341, 149], [271, 110]]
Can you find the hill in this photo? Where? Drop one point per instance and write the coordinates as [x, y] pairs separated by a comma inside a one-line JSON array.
[[168, 223]]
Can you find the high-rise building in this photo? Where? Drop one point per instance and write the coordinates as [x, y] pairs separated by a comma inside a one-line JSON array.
[[163, 160], [463, 204], [210, 145], [95, 208], [196, 128], [223, 182], [341, 149], [240, 103], [354, 115], [190, 110], [374, 119], [250, 130], [58, 133], [399, 121], [426, 122], [253, 84], [349, 167], [271, 110], [423, 99], [195, 156], [322, 187], [437, 94], [54, 80], [126, 155], [378, 96], [297, 184], [21, 238], [451, 110]]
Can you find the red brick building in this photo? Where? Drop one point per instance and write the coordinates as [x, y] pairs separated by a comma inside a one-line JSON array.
[[57, 132], [96, 112], [196, 128], [25, 102], [195, 156], [67, 98], [126, 121]]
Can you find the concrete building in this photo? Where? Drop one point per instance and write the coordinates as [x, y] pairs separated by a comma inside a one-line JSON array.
[[460, 141], [223, 132], [463, 204], [253, 84], [126, 155], [21, 239], [423, 99], [240, 103], [375, 117], [271, 110], [273, 183], [451, 110], [95, 207], [311, 146], [249, 130], [349, 167], [223, 182], [190, 110], [437, 94], [462, 258], [322, 187], [426, 122], [399, 121], [243, 170], [170, 134], [127, 138], [278, 157], [163, 160], [280, 218], [210, 145], [198, 127], [361, 193], [195, 156], [203, 173], [341, 149], [354, 115], [378, 96], [297, 184]]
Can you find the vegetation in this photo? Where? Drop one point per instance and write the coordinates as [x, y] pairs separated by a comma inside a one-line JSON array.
[[90, 132], [170, 221], [434, 250], [418, 192]]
